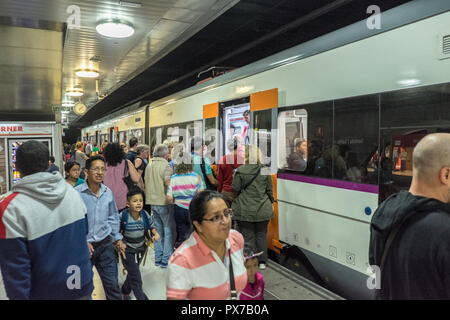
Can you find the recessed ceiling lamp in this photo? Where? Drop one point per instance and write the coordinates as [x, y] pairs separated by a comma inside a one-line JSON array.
[[74, 92], [115, 28], [130, 4], [87, 73]]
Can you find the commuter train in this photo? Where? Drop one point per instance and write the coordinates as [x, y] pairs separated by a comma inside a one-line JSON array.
[[362, 98]]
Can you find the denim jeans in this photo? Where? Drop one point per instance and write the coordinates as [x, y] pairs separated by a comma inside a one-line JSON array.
[[164, 223], [104, 259], [134, 279], [183, 222]]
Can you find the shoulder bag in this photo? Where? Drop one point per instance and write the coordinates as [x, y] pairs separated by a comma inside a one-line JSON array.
[[127, 178]]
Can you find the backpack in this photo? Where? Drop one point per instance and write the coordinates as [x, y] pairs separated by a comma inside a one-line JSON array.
[[209, 185], [143, 213]]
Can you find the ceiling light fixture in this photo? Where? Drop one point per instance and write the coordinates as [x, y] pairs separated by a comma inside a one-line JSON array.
[[67, 104], [409, 82], [130, 4], [115, 28], [87, 73], [74, 92]]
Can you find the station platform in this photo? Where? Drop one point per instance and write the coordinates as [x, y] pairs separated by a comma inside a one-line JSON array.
[[280, 283], [284, 284]]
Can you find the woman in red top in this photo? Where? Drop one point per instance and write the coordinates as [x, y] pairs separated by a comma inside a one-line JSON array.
[[227, 165]]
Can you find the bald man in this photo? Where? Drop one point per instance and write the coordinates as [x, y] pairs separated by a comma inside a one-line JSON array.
[[416, 223]]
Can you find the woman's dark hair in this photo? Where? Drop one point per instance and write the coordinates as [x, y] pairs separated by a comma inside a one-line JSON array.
[[92, 159], [197, 207], [69, 165], [135, 191], [32, 157], [113, 154]]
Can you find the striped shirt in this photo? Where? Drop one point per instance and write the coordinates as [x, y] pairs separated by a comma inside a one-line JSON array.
[[134, 230], [195, 272], [183, 187]]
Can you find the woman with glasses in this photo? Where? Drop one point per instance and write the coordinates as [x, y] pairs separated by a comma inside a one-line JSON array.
[[116, 172], [72, 169], [253, 206], [202, 267]]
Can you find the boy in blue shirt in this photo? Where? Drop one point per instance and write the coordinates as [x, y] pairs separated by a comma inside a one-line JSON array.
[[138, 228]]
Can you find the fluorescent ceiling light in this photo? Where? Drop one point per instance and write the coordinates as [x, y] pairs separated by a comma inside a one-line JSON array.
[[409, 82], [74, 92], [115, 28], [130, 4], [244, 89], [87, 73]]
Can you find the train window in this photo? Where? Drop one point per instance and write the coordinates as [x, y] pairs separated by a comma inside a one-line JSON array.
[[316, 128], [122, 137], [262, 134], [292, 145], [155, 137], [137, 133], [406, 117], [356, 136]]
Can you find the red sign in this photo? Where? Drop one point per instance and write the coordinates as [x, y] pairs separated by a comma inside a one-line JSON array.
[[25, 129], [7, 128]]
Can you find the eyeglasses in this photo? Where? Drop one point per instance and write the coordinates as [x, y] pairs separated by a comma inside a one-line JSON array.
[[227, 213], [102, 170]]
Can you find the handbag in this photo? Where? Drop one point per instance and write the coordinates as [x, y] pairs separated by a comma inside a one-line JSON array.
[[233, 293], [127, 178]]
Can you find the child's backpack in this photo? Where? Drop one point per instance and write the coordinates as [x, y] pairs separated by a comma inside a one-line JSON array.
[[124, 219]]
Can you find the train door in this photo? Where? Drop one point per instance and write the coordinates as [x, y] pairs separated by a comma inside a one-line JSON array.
[[236, 121], [111, 134]]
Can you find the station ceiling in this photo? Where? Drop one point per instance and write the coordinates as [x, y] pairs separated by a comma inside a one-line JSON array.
[[175, 40]]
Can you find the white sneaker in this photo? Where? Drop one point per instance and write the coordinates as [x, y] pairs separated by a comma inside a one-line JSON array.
[[262, 266]]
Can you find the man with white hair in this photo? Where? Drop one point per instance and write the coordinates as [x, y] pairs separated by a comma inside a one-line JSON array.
[[410, 231], [157, 178]]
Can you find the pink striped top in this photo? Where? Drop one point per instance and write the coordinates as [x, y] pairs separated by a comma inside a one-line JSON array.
[[183, 187], [195, 272]]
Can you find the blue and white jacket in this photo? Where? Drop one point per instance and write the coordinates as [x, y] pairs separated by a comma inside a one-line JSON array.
[[43, 248]]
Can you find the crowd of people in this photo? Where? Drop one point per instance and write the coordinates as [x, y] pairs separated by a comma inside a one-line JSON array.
[[116, 202], [207, 223]]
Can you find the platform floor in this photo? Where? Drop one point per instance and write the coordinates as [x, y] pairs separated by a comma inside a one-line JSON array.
[[280, 283], [284, 284]]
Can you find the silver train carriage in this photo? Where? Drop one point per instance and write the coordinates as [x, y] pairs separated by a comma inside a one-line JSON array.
[[361, 98]]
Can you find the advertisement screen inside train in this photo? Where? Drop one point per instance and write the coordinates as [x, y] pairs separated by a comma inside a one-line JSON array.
[[236, 123]]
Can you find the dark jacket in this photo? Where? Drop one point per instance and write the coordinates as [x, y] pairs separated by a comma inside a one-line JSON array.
[[255, 203], [53, 167], [296, 161], [418, 262], [131, 155]]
